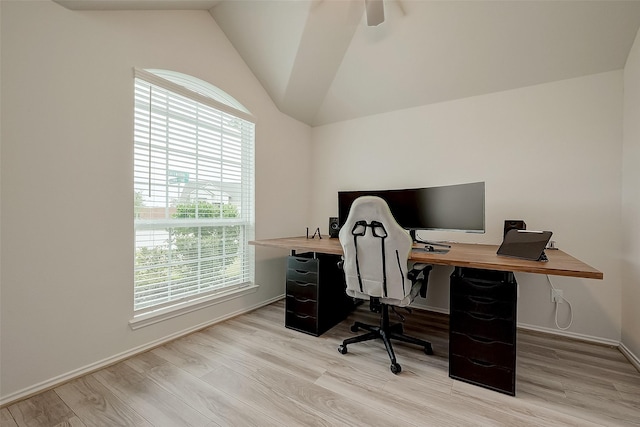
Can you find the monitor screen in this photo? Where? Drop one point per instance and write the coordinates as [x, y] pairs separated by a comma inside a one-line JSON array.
[[452, 207]]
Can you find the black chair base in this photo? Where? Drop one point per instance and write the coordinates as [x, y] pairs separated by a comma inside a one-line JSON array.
[[386, 333]]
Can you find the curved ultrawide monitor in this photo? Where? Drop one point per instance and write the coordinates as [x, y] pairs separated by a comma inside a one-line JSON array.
[[451, 207]]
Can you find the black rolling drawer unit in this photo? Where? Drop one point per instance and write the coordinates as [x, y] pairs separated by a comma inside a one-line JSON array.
[[482, 330], [315, 292]]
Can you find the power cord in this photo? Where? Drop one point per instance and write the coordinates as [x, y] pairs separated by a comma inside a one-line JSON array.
[[556, 310]]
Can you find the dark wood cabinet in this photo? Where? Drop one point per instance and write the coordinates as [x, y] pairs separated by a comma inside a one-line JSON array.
[[482, 330], [315, 293]]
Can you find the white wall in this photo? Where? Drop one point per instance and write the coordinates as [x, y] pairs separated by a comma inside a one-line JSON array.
[[66, 173], [631, 203], [549, 154]]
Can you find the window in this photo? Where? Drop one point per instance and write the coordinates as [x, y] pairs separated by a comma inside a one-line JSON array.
[[194, 191]]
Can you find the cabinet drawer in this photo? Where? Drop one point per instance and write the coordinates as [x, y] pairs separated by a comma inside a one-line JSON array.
[[483, 326], [302, 290], [485, 351], [301, 306], [315, 293], [483, 305], [302, 276], [489, 275], [503, 291], [302, 263], [301, 322], [479, 373]]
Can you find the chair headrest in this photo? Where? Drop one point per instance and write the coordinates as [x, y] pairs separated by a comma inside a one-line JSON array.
[[376, 249], [369, 208]]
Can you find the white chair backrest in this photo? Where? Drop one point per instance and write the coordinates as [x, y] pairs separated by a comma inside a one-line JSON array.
[[376, 250]]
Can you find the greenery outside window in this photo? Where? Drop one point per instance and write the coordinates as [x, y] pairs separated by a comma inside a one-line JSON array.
[[194, 191]]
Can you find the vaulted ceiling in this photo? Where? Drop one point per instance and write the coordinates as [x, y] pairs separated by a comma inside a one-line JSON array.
[[321, 63]]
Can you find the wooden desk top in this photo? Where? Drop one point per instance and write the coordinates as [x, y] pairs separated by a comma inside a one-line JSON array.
[[460, 255]]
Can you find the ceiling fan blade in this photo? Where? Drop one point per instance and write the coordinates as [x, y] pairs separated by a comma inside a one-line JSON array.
[[375, 12]]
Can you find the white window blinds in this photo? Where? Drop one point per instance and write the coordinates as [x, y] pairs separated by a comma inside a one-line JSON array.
[[194, 194]]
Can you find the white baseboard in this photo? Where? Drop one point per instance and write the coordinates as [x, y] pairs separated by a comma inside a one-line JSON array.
[[76, 373], [429, 308], [635, 361], [583, 337]]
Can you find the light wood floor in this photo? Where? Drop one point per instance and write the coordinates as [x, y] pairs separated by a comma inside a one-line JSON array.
[[252, 371]]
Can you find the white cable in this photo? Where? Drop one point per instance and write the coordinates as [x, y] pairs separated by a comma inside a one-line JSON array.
[[556, 310]]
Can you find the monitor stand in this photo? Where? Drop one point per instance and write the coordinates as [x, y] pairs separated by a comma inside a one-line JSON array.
[[429, 245]]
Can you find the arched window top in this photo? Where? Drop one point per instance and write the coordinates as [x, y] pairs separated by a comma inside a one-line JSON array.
[[199, 86], [186, 84]]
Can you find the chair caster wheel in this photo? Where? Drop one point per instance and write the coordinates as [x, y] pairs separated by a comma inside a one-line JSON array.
[[342, 349], [396, 368], [428, 351], [354, 328]]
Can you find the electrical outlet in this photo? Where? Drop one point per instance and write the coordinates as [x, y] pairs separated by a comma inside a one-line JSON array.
[[556, 296]]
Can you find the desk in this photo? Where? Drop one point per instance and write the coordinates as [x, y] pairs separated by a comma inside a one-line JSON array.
[[483, 301], [460, 255]]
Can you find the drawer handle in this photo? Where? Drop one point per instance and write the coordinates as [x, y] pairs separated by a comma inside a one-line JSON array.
[[301, 316], [481, 316], [481, 300], [304, 283], [303, 272], [303, 299], [485, 286], [480, 339], [482, 363]]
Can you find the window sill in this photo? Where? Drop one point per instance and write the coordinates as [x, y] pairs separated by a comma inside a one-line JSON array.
[[150, 318]]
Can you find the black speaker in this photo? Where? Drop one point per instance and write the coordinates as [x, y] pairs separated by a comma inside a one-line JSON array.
[[334, 227], [513, 224]]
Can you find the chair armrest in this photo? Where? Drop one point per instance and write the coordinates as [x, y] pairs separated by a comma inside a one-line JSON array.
[[420, 273], [417, 269]]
